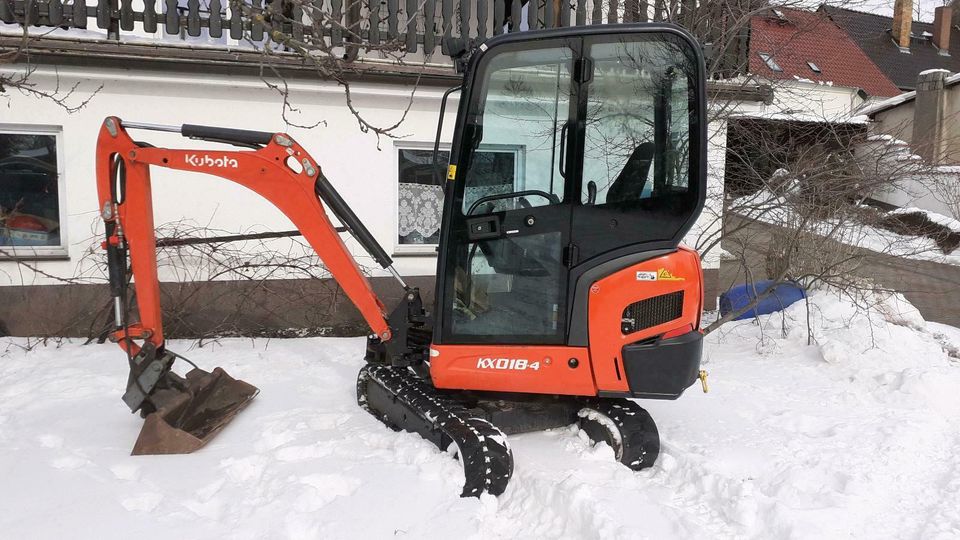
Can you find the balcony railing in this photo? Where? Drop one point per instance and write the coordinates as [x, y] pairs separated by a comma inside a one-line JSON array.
[[416, 26]]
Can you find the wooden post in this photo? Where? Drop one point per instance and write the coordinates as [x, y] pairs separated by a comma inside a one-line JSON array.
[[126, 15], [336, 17], [149, 16], [215, 20], [393, 26], [482, 16], [193, 18], [429, 26], [374, 7], [411, 30], [256, 29]]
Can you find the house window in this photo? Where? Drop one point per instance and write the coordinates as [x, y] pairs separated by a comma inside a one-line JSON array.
[[420, 190], [813, 67], [773, 65], [30, 193]]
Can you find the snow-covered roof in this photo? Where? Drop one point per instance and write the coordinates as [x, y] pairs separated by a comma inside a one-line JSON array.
[[801, 117], [889, 103], [785, 47]]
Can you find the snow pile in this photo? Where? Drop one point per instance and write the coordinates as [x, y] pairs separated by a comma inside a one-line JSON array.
[[854, 436]]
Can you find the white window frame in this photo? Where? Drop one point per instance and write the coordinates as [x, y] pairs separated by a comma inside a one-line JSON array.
[[519, 164], [770, 62], [43, 252]]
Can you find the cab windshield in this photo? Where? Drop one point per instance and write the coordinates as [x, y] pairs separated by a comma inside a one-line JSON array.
[[571, 148]]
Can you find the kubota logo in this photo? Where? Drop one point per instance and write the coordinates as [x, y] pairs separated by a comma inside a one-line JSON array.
[[507, 363], [206, 160]]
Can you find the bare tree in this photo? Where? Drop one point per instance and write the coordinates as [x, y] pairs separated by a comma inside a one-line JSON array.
[[70, 98], [797, 208]]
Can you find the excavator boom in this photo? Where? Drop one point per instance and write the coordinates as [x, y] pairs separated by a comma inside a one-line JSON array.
[[183, 413]]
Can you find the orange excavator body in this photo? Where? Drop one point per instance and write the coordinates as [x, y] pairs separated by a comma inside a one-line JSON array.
[[580, 371], [563, 293], [487, 367]]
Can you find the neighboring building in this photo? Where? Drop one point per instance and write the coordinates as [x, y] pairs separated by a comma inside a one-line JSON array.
[[925, 123], [201, 76], [819, 76], [925, 118], [844, 70], [809, 53], [899, 46]]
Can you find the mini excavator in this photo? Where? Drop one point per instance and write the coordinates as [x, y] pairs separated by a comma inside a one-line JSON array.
[[577, 165]]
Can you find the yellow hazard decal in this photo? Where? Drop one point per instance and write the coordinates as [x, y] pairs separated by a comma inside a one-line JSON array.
[[451, 172], [664, 275]]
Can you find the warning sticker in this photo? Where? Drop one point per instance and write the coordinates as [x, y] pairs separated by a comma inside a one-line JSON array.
[[451, 172], [664, 275], [646, 276], [660, 275]]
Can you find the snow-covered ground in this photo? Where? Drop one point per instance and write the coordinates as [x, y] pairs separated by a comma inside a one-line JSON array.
[[856, 436], [773, 208]]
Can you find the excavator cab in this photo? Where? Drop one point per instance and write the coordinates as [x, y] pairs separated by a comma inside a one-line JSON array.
[[579, 153], [578, 164]]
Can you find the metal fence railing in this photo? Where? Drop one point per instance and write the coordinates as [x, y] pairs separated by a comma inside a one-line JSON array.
[[417, 25]]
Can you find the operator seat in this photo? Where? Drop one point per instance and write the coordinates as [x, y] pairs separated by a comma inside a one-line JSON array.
[[629, 184]]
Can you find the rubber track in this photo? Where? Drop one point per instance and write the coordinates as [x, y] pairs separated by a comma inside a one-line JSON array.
[[641, 440], [484, 453]]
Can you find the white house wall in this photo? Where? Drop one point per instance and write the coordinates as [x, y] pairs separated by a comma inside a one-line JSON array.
[[365, 175], [813, 101], [361, 167], [708, 227]]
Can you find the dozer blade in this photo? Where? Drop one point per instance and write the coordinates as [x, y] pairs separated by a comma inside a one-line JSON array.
[[192, 411]]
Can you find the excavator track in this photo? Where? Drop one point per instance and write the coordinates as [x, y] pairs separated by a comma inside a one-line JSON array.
[[626, 426], [403, 401]]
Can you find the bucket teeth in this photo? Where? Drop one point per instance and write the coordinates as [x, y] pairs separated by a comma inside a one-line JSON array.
[[190, 411]]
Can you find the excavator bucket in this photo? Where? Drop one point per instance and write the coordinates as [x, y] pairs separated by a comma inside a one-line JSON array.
[[191, 411]]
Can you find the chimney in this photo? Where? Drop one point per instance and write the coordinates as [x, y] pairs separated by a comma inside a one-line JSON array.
[[929, 109], [902, 19], [942, 20]]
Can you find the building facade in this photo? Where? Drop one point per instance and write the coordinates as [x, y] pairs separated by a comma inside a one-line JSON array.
[[198, 74]]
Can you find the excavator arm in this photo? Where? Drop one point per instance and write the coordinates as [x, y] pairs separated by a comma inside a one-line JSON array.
[[277, 168], [124, 188]]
